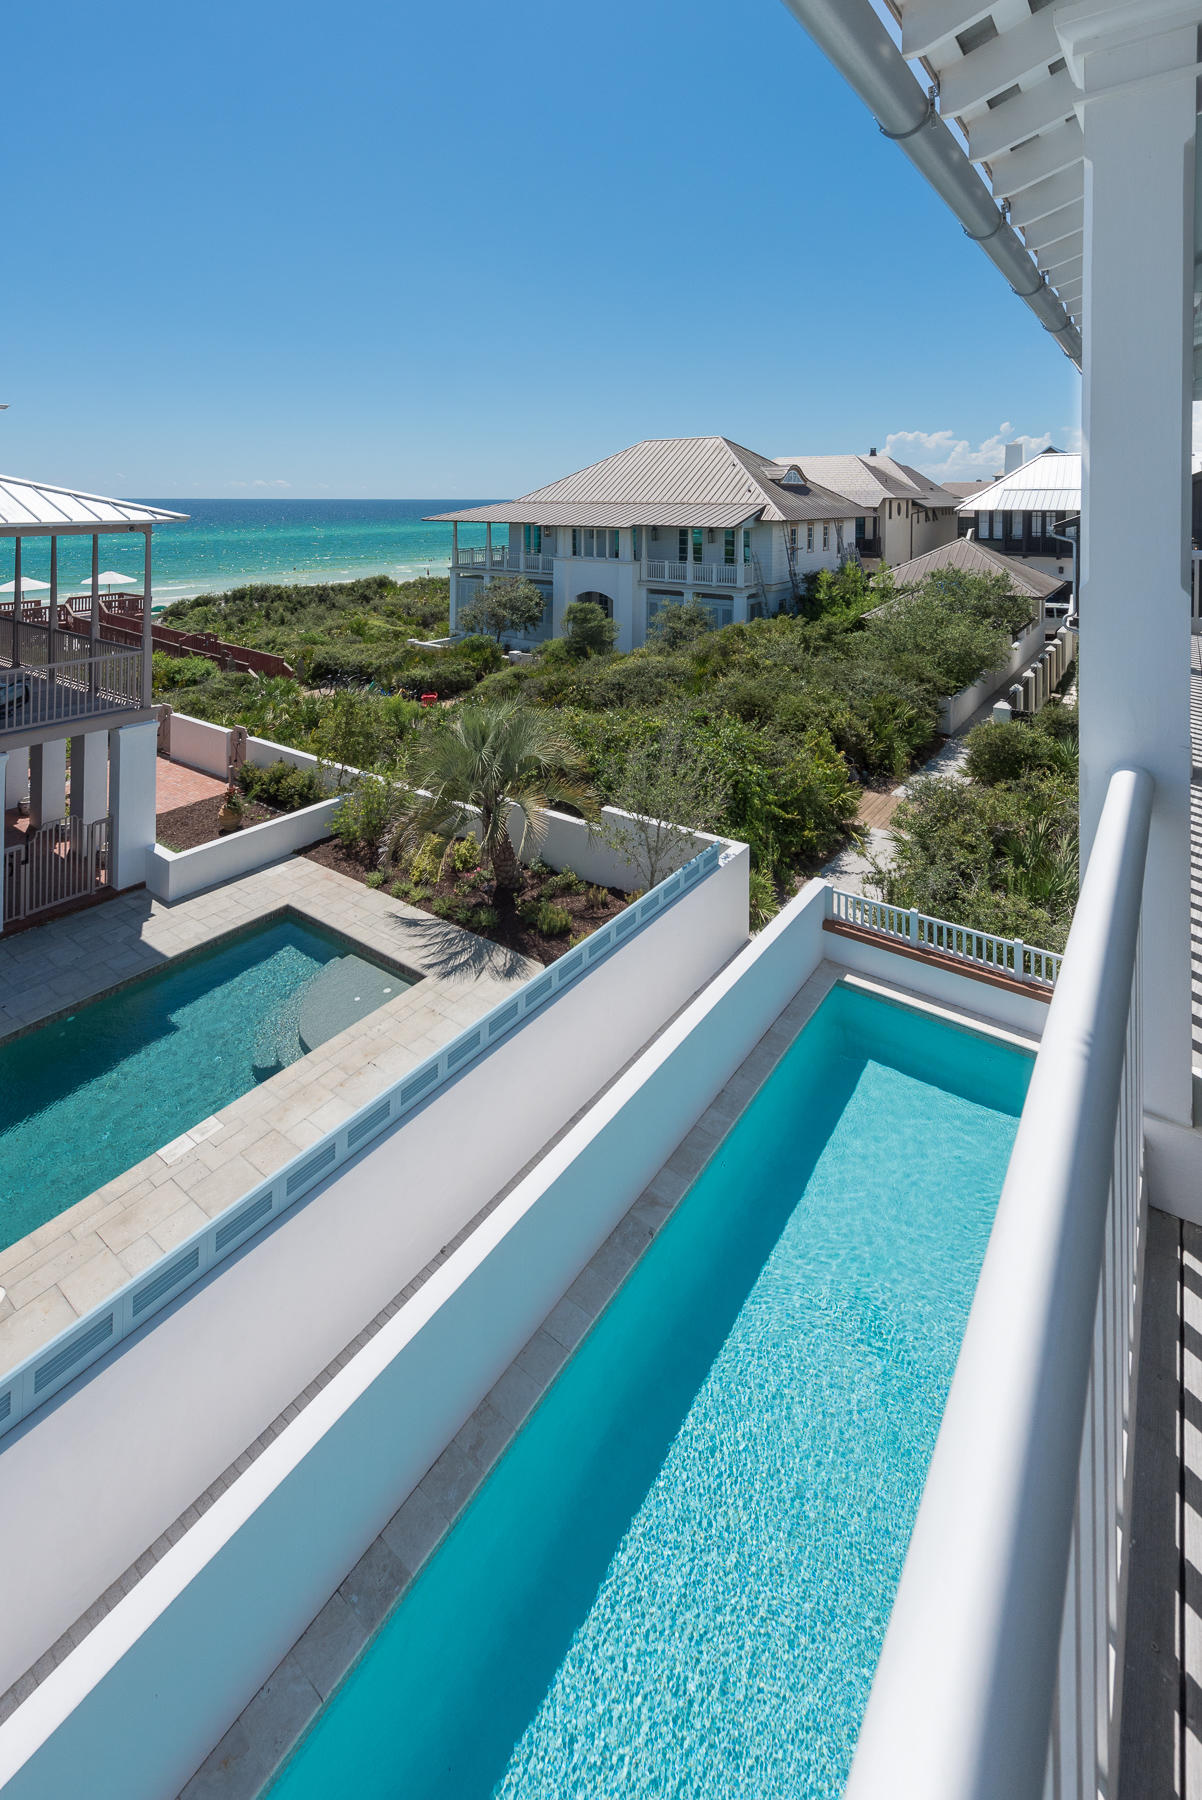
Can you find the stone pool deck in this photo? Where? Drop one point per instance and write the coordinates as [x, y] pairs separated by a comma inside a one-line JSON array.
[[75, 1260]]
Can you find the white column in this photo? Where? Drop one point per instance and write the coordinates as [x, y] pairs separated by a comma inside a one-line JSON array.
[[133, 751], [90, 776], [488, 543], [147, 627], [16, 640], [52, 605], [47, 782], [16, 777], [94, 627], [1139, 125]]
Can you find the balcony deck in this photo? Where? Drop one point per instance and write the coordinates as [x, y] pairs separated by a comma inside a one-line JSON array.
[[34, 698]]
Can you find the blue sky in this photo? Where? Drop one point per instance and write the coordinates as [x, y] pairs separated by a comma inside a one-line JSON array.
[[389, 250]]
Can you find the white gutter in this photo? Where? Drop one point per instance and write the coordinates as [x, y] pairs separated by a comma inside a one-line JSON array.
[[858, 44]]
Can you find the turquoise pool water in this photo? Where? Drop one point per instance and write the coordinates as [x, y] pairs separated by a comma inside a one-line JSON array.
[[676, 1581], [85, 1097]]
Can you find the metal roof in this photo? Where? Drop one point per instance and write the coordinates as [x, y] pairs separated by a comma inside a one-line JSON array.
[[1049, 482], [975, 559], [669, 481], [35, 507], [870, 480]]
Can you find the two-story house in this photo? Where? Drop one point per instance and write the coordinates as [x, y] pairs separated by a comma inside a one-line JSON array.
[[899, 513], [667, 520], [78, 733], [1031, 512]]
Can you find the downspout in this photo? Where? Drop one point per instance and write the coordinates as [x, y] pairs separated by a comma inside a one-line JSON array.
[[855, 40]]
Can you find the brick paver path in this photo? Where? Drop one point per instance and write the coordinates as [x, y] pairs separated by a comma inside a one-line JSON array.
[[177, 786]]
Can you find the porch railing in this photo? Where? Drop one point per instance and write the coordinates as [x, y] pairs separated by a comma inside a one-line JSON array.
[[998, 1677], [52, 864], [981, 949], [703, 574], [38, 694]]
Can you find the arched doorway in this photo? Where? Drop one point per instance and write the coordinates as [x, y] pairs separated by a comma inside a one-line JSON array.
[[601, 600]]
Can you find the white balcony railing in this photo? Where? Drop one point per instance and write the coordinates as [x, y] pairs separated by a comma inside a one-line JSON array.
[[34, 695], [700, 574], [997, 1680], [960, 943], [475, 556]]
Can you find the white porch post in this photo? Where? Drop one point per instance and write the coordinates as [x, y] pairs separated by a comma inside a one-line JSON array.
[[488, 542], [90, 776], [1139, 125], [52, 608], [133, 750], [47, 782], [94, 628], [147, 627], [16, 656]]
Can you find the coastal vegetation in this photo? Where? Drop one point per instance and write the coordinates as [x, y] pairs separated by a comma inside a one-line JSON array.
[[998, 851], [765, 731]]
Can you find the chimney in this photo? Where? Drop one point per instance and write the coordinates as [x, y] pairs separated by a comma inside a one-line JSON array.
[[872, 452], [1016, 456]]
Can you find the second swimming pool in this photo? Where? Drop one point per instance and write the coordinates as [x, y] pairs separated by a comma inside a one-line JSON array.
[[676, 1581], [84, 1097]]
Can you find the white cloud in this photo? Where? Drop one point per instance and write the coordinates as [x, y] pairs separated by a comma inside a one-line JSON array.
[[945, 457], [261, 484]]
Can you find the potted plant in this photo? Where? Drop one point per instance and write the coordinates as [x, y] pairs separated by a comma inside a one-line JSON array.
[[232, 808]]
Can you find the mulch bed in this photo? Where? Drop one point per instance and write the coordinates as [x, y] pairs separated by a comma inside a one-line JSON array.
[[587, 910], [186, 826]]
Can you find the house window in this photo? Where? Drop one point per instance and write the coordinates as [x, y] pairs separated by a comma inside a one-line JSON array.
[[1036, 525], [613, 543], [728, 546], [682, 545], [698, 544], [792, 537], [861, 530], [575, 540], [1016, 524], [809, 537], [532, 538], [826, 536], [588, 541], [636, 542]]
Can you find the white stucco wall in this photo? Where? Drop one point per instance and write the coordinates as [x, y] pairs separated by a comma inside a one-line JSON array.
[[954, 712]]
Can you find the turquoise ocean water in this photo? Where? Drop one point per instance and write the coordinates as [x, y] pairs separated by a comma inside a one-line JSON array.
[[675, 1583], [228, 542]]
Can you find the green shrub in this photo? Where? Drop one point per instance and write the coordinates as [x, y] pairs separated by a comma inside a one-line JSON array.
[[464, 854], [281, 785], [366, 816], [179, 671], [596, 896], [375, 879], [551, 920], [426, 863], [763, 901], [566, 882]]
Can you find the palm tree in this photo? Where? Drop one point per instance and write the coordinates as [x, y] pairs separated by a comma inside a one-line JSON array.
[[473, 771]]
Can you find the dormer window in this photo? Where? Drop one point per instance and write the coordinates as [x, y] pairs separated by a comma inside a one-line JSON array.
[[791, 478]]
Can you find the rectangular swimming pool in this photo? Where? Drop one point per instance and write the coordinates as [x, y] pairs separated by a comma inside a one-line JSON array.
[[84, 1097], [676, 1580]]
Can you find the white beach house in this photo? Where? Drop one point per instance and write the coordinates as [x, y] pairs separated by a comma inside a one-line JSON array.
[[1030, 513], [667, 520], [899, 512], [62, 682]]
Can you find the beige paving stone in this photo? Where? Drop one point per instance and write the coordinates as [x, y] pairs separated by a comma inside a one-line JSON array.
[[33, 1325], [143, 1214], [178, 1225], [54, 1268], [95, 1281]]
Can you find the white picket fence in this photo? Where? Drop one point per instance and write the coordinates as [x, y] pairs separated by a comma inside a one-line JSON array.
[[981, 949], [54, 863]]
